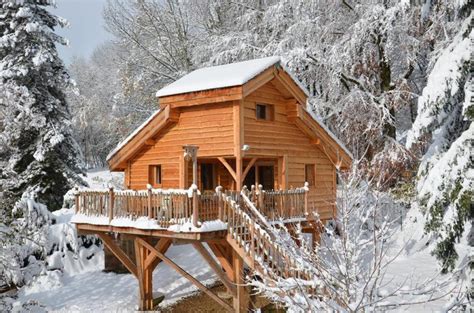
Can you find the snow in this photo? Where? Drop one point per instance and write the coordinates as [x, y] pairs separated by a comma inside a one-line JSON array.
[[103, 178], [416, 267], [90, 219], [75, 281], [234, 74], [207, 226], [141, 222], [443, 78], [132, 135]]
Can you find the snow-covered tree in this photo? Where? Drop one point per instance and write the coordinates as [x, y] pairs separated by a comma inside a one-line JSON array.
[[37, 152], [351, 264], [100, 115], [443, 135]]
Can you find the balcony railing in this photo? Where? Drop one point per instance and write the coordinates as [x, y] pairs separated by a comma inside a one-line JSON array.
[[179, 207]]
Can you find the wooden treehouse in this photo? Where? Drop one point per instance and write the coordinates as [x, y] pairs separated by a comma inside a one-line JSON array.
[[216, 131]]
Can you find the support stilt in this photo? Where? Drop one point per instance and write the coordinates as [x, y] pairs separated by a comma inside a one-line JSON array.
[[144, 276], [241, 301]]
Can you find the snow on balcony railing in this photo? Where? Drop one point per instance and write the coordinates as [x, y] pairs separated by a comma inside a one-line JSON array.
[[179, 209]]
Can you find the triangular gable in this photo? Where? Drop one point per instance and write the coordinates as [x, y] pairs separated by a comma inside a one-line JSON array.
[[228, 83]]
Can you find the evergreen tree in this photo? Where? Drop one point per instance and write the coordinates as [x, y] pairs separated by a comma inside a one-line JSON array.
[[37, 152]]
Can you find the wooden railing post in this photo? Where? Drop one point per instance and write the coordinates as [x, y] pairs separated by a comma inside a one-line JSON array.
[[306, 191], [111, 204], [252, 190], [76, 202], [150, 208], [220, 203], [195, 207], [260, 197]]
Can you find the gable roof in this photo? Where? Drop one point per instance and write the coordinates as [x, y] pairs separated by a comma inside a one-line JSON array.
[[222, 76], [230, 82]]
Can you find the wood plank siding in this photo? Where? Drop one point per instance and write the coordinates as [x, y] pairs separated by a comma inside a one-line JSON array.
[[208, 126], [280, 138]]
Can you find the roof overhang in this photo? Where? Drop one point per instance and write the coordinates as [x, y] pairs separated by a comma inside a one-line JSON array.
[[143, 136], [296, 110]]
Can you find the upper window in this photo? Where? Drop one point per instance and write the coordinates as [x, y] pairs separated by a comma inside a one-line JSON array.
[[155, 175], [264, 111], [310, 174]]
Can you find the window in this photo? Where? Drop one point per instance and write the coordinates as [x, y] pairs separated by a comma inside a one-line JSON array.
[[310, 174], [155, 175], [264, 112]]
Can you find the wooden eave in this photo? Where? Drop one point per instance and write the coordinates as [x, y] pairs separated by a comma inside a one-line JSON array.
[[295, 107], [235, 92], [144, 137]]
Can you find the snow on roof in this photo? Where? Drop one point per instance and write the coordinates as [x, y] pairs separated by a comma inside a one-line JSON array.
[[222, 76], [133, 134]]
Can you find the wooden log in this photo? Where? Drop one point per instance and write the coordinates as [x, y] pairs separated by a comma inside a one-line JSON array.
[[118, 252], [217, 269], [195, 208], [111, 204], [185, 274], [241, 300], [144, 276], [150, 203]]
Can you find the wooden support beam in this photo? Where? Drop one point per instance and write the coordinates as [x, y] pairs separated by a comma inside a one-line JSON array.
[[122, 256], [162, 245], [144, 276], [150, 142], [223, 259], [257, 82], [185, 274], [247, 169], [242, 300], [228, 167], [213, 264]]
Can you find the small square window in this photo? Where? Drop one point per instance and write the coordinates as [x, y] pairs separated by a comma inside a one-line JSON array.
[[310, 174], [264, 111]]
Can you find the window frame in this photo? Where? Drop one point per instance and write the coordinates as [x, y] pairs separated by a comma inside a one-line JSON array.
[[153, 177], [312, 170], [269, 111]]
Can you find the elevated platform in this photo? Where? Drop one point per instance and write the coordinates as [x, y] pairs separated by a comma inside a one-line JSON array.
[[236, 226]]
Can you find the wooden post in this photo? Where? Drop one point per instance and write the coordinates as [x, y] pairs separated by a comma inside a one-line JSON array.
[[254, 199], [220, 203], [111, 204], [241, 301], [195, 207], [260, 197], [144, 276], [150, 208], [306, 191], [76, 196]]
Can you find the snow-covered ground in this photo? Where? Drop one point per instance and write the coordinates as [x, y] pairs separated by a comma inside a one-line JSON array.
[[416, 269], [102, 178], [81, 286], [75, 281]]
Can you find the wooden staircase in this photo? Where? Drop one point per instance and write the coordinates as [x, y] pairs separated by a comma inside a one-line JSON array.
[[249, 235]]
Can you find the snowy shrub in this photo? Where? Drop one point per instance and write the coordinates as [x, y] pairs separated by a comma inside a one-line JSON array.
[[23, 240]]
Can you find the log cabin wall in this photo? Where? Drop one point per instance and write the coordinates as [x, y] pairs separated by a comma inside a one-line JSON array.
[[280, 137], [208, 126]]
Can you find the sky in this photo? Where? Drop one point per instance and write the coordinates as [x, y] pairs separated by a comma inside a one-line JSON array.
[[86, 30]]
